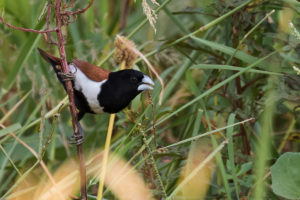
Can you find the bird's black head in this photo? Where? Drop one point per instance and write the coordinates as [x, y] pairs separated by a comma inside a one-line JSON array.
[[122, 87]]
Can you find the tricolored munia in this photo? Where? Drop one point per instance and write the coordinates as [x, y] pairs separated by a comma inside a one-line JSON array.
[[97, 90]]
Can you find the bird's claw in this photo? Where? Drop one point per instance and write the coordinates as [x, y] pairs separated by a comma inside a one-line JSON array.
[[76, 139], [66, 76]]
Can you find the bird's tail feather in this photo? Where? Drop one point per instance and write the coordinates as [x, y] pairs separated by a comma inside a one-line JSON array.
[[55, 63], [49, 58]]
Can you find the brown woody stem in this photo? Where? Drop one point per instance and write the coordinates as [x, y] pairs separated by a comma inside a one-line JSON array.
[[79, 11], [70, 92], [26, 29], [60, 38]]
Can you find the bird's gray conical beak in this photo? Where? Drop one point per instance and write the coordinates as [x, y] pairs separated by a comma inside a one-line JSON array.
[[146, 84]]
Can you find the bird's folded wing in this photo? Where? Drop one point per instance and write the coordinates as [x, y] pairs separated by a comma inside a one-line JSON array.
[[93, 72]]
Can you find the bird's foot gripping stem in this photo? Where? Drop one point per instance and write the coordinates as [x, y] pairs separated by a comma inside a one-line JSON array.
[[66, 76], [77, 139]]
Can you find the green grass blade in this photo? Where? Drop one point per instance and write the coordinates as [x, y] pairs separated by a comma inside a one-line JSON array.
[[24, 54], [215, 87], [11, 128], [231, 51], [264, 144], [229, 136], [233, 68]]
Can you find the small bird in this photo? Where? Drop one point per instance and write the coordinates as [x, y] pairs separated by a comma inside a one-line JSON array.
[[97, 90]]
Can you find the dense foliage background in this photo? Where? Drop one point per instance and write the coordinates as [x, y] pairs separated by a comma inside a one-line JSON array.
[[207, 88]]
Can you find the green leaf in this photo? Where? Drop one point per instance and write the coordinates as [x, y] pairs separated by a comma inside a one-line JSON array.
[[285, 176], [230, 67], [231, 51], [25, 52], [2, 5], [8, 101], [245, 168], [9, 129]]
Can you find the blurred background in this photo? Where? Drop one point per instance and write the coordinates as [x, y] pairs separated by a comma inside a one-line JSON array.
[[207, 91]]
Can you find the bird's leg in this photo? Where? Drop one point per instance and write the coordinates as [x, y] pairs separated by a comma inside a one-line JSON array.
[[77, 139], [66, 76], [74, 139]]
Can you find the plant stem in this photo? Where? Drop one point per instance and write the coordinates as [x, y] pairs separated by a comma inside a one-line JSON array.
[[70, 92], [105, 156], [154, 167]]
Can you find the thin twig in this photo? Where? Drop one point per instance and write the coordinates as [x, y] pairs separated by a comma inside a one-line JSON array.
[[200, 135], [70, 92], [48, 24], [26, 29], [79, 11], [154, 167], [10, 160], [124, 14], [60, 44], [149, 171], [153, 119], [251, 83], [49, 114], [43, 165], [13, 109], [54, 121]]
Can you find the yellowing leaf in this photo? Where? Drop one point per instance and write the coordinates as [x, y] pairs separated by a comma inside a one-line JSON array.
[[196, 188], [285, 17]]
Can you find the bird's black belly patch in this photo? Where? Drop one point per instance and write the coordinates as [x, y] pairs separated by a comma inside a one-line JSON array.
[[112, 103], [81, 102]]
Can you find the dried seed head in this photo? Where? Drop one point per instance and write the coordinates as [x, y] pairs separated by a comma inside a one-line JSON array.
[[124, 51], [297, 70], [150, 13], [65, 19]]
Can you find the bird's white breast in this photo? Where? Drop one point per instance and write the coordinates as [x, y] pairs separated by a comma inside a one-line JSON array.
[[89, 88]]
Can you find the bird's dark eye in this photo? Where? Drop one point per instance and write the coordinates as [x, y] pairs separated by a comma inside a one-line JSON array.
[[133, 79]]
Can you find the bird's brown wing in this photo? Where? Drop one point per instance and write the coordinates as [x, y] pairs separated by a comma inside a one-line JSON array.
[[93, 72]]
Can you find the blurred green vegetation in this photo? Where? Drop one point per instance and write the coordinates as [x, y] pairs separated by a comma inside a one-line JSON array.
[[238, 67]]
